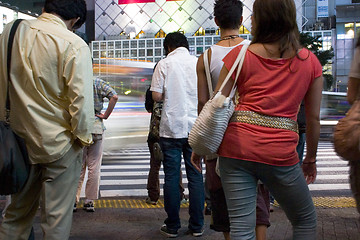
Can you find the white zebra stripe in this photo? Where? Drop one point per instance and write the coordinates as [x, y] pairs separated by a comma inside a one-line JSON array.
[[321, 187], [133, 159]]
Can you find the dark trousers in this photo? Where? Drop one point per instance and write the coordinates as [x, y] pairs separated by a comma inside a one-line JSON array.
[[355, 181], [153, 182], [173, 149]]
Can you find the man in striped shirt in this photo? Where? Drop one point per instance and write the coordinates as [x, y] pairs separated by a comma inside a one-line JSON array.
[[92, 155]]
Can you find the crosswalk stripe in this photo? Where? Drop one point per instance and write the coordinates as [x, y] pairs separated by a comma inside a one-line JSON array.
[[144, 181], [128, 192], [332, 169], [132, 167], [125, 173], [317, 187], [333, 177], [131, 182], [332, 162]]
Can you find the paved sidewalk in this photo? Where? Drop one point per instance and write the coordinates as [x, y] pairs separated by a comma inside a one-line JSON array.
[[132, 221]]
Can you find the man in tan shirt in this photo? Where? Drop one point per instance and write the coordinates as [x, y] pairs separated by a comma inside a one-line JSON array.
[[52, 109]]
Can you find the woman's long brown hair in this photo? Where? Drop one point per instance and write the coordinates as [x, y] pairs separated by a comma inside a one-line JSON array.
[[275, 20]]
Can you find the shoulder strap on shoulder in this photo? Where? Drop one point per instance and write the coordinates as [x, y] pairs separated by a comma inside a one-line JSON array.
[[207, 71], [9, 50]]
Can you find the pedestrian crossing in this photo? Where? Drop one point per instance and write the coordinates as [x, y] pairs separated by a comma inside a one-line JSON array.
[[125, 173], [333, 172]]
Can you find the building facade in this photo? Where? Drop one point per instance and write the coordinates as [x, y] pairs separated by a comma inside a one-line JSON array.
[[134, 29], [347, 33], [8, 13], [155, 18]]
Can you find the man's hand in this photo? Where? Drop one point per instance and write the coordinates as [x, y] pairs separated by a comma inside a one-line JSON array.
[[110, 108], [196, 161], [102, 116]]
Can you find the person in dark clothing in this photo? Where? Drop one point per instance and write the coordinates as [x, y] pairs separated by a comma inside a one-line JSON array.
[[156, 156], [302, 135]]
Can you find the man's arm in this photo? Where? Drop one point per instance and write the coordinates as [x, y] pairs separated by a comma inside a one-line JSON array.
[[353, 89], [79, 75], [157, 97], [157, 83], [110, 108], [203, 89], [312, 110], [203, 97], [354, 78]]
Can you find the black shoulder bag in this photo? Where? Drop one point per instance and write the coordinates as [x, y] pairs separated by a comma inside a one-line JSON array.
[[14, 160]]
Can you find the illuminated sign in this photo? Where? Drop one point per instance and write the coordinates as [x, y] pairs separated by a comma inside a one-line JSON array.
[[135, 1], [322, 8], [139, 1]]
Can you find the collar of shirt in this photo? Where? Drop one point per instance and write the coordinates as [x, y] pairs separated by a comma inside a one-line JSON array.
[[48, 17], [179, 50]]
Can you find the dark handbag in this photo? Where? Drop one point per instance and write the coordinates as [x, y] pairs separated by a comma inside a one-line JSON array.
[[14, 160], [347, 134], [154, 135], [149, 102]]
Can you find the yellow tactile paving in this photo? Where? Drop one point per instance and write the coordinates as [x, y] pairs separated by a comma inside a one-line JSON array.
[[332, 202], [324, 202]]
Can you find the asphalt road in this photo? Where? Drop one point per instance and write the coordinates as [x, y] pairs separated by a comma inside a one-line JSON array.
[[128, 129]]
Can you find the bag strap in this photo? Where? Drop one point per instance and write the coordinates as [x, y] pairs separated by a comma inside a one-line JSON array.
[[207, 71], [9, 50], [238, 63]]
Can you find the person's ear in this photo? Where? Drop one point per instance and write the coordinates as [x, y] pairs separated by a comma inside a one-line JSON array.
[[252, 21], [241, 20], [216, 21]]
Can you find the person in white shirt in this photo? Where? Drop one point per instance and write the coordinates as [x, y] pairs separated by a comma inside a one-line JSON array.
[[175, 83]]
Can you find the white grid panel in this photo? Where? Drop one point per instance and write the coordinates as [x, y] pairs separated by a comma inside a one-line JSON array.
[[188, 15], [179, 17], [158, 14], [160, 18], [170, 26], [122, 21]]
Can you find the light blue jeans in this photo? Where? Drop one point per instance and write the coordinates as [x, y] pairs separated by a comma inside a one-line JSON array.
[[288, 186]]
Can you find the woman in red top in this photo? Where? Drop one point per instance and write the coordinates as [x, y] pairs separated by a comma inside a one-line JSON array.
[[260, 142]]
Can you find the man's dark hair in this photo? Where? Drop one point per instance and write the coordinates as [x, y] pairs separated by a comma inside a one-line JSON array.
[[228, 13], [175, 40], [68, 9]]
